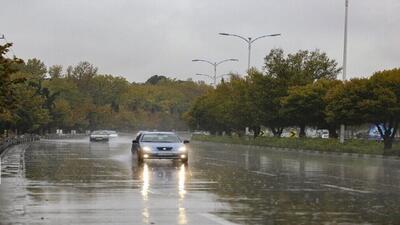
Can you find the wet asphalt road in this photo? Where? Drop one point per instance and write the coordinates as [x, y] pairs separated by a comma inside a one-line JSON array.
[[77, 182]]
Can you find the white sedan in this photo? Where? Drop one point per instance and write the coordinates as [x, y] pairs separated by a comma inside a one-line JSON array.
[[99, 135]]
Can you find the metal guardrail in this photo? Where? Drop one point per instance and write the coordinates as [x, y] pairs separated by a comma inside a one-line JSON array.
[[8, 142]]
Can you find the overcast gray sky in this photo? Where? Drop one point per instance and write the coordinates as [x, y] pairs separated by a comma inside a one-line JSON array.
[[137, 39]]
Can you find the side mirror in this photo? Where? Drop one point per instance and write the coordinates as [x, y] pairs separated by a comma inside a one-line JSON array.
[[186, 142], [134, 142]]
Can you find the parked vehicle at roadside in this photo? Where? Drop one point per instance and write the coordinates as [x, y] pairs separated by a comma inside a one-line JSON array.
[[159, 145], [325, 134], [99, 135]]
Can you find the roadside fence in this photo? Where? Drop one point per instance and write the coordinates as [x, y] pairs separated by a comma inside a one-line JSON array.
[[8, 142]]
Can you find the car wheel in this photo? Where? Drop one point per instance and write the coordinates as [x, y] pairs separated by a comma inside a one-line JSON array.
[[139, 157], [185, 160]]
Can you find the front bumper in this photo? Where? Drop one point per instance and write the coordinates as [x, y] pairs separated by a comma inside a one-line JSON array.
[[99, 138], [164, 155]]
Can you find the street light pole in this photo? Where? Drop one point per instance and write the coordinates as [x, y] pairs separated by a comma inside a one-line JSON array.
[[249, 41], [345, 41], [214, 64], [214, 78], [249, 56], [342, 126], [215, 75]]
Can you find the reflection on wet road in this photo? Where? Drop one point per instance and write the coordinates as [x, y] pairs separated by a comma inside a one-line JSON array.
[[77, 182]]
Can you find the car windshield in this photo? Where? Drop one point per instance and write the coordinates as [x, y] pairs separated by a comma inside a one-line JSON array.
[[99, 132], [166, 138]]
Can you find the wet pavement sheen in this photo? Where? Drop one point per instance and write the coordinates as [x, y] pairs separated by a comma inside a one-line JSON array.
[[77, 182]]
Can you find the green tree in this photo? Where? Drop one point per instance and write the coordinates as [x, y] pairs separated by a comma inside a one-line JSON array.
[[108, 90], [82, 74], [35, 68], [283, 72], [202, 115], [375, 100], [29, 115], [306, 106], [7, 81], [155, 79], [55, 71]]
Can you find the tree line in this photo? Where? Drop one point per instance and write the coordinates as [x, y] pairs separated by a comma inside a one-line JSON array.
[[300, 90], [35, 98]]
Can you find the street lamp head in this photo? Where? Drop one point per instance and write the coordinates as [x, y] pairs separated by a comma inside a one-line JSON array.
[[226, 34], [196, 60], [236, 60]]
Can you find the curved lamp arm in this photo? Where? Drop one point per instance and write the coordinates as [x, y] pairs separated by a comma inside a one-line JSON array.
[[227, 60], [264, 36], [202, 60], [235, 35]]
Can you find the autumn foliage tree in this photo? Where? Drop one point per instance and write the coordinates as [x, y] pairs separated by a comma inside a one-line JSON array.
[[306, 106], [375, 100], [300, 90], [35, 98]]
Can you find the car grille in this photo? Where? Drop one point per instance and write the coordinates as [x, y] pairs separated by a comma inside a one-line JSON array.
[[164, 148]]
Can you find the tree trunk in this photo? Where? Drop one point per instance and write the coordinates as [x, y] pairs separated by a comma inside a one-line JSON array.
[[277, 132], [302, 131], [388, 134], [257, 131], [388, 144], [333, 133], [240, 133]]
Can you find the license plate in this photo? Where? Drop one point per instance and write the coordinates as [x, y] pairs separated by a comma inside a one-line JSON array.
[[164, 154]]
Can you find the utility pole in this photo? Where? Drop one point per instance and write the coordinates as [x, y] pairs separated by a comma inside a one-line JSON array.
[[342, 126]]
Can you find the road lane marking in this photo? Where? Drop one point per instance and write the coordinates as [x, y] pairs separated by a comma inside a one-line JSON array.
[[264, 173], [346, 189], [219, 160], [216, 219]]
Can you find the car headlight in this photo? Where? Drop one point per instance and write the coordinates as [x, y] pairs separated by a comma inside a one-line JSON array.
[[146, 149], [182, 149]]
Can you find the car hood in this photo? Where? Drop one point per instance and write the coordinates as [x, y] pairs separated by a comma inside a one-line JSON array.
[[98, 135], [154, 145]]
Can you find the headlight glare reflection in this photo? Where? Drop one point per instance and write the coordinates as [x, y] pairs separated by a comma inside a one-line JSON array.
[[146, 149]]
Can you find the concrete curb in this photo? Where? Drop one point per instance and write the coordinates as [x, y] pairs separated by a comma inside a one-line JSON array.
[[309, 152]]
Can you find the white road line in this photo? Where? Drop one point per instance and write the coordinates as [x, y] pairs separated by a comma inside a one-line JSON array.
[[346, 189], [216, 219], [264, 173]]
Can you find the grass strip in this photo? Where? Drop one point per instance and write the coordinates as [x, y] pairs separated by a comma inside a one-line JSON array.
[[316, 144]]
